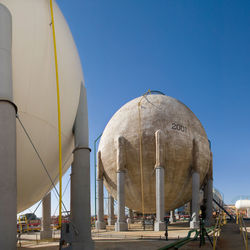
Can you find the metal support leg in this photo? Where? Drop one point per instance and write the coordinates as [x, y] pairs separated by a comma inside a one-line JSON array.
[[195, 200], [8, 175], [121, 224], [80, 180], [100, 223], [208, 196], [46, 232], [160, 205], [111, 218]]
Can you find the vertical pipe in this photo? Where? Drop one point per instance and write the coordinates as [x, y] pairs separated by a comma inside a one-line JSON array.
[[46, 232], [96, 140], [80, 179], [58, 114], [8, 174]]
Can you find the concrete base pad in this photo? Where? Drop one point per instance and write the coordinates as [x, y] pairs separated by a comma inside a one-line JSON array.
[[129, 221], [194, 224], [121, 226], [100, 225], [172, 220], [81, 245], [111, 222], [44, 235], [160, 226]]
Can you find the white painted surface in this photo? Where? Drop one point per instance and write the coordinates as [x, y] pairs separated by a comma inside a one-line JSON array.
[[34, 87], [242, 204], [180, 127]]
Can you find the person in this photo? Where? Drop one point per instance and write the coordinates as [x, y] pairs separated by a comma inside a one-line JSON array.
[[166, 227]]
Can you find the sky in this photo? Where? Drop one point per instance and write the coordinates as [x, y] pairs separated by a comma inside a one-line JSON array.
[[195, 51]]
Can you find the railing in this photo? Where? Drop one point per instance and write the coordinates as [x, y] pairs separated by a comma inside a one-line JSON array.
[[180, 243], [243, 230], [217, 229]]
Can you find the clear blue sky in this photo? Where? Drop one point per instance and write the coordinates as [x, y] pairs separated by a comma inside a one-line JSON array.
[[196, 51]]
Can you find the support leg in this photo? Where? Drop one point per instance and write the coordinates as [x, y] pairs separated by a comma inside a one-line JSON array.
[[46, 232], [100, 223], [160, 207], [8, 175], [130, 219], [121, 224], [111, 218], [195, 200], [160, 178], [208, 196], [172, 217], [80, 180]]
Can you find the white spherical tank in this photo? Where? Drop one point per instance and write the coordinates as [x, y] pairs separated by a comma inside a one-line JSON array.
[[35, 95], [180, 126], [242, 204]]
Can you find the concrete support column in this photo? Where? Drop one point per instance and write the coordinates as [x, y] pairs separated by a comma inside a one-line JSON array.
[[121, 224], [46, 232], [195, 200], [80, 179], [195, 223], [208, 194], [130, 219], [208, 198], [160, 205], [177, 216], [172, 217], [100, 223], [190, 210], [8, 175], [111, 216], [160, 181]]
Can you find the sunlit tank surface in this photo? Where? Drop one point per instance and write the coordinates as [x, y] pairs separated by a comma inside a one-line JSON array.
[[180, 126], [242, 204], [34, 90]]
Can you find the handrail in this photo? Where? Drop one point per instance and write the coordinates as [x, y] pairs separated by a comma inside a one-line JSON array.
[[183, 241], [217, 230], [244, 234]]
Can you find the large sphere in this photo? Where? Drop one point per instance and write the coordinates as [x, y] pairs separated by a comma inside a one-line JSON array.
[[180, 126], [34, 90]]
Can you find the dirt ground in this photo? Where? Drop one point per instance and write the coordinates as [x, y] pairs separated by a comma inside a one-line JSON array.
[[137, 239]]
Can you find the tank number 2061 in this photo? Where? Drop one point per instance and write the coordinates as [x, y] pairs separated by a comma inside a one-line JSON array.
[[179, 127]]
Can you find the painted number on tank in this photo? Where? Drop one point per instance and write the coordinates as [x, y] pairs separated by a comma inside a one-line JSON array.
[[179, 127]]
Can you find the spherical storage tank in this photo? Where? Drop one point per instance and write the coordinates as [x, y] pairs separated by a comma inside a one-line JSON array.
[[34, 93], [180, 127]]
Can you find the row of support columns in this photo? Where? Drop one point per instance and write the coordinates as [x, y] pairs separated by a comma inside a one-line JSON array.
[[121, 224], [80, 181]]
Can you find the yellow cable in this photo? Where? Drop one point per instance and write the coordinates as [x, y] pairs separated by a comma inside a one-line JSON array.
[[141, 164], [59, 117]]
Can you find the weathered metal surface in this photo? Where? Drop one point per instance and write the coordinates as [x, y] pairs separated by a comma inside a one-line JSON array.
[[180, 127]]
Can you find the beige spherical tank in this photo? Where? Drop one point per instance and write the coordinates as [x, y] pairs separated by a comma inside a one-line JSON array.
[[180, 126], [35, 95]]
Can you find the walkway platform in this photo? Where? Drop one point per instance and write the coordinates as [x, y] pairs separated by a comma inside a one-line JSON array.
[[231, 237]]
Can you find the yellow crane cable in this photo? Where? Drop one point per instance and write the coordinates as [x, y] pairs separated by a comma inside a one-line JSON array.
[[140, 142], [59, 116]]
